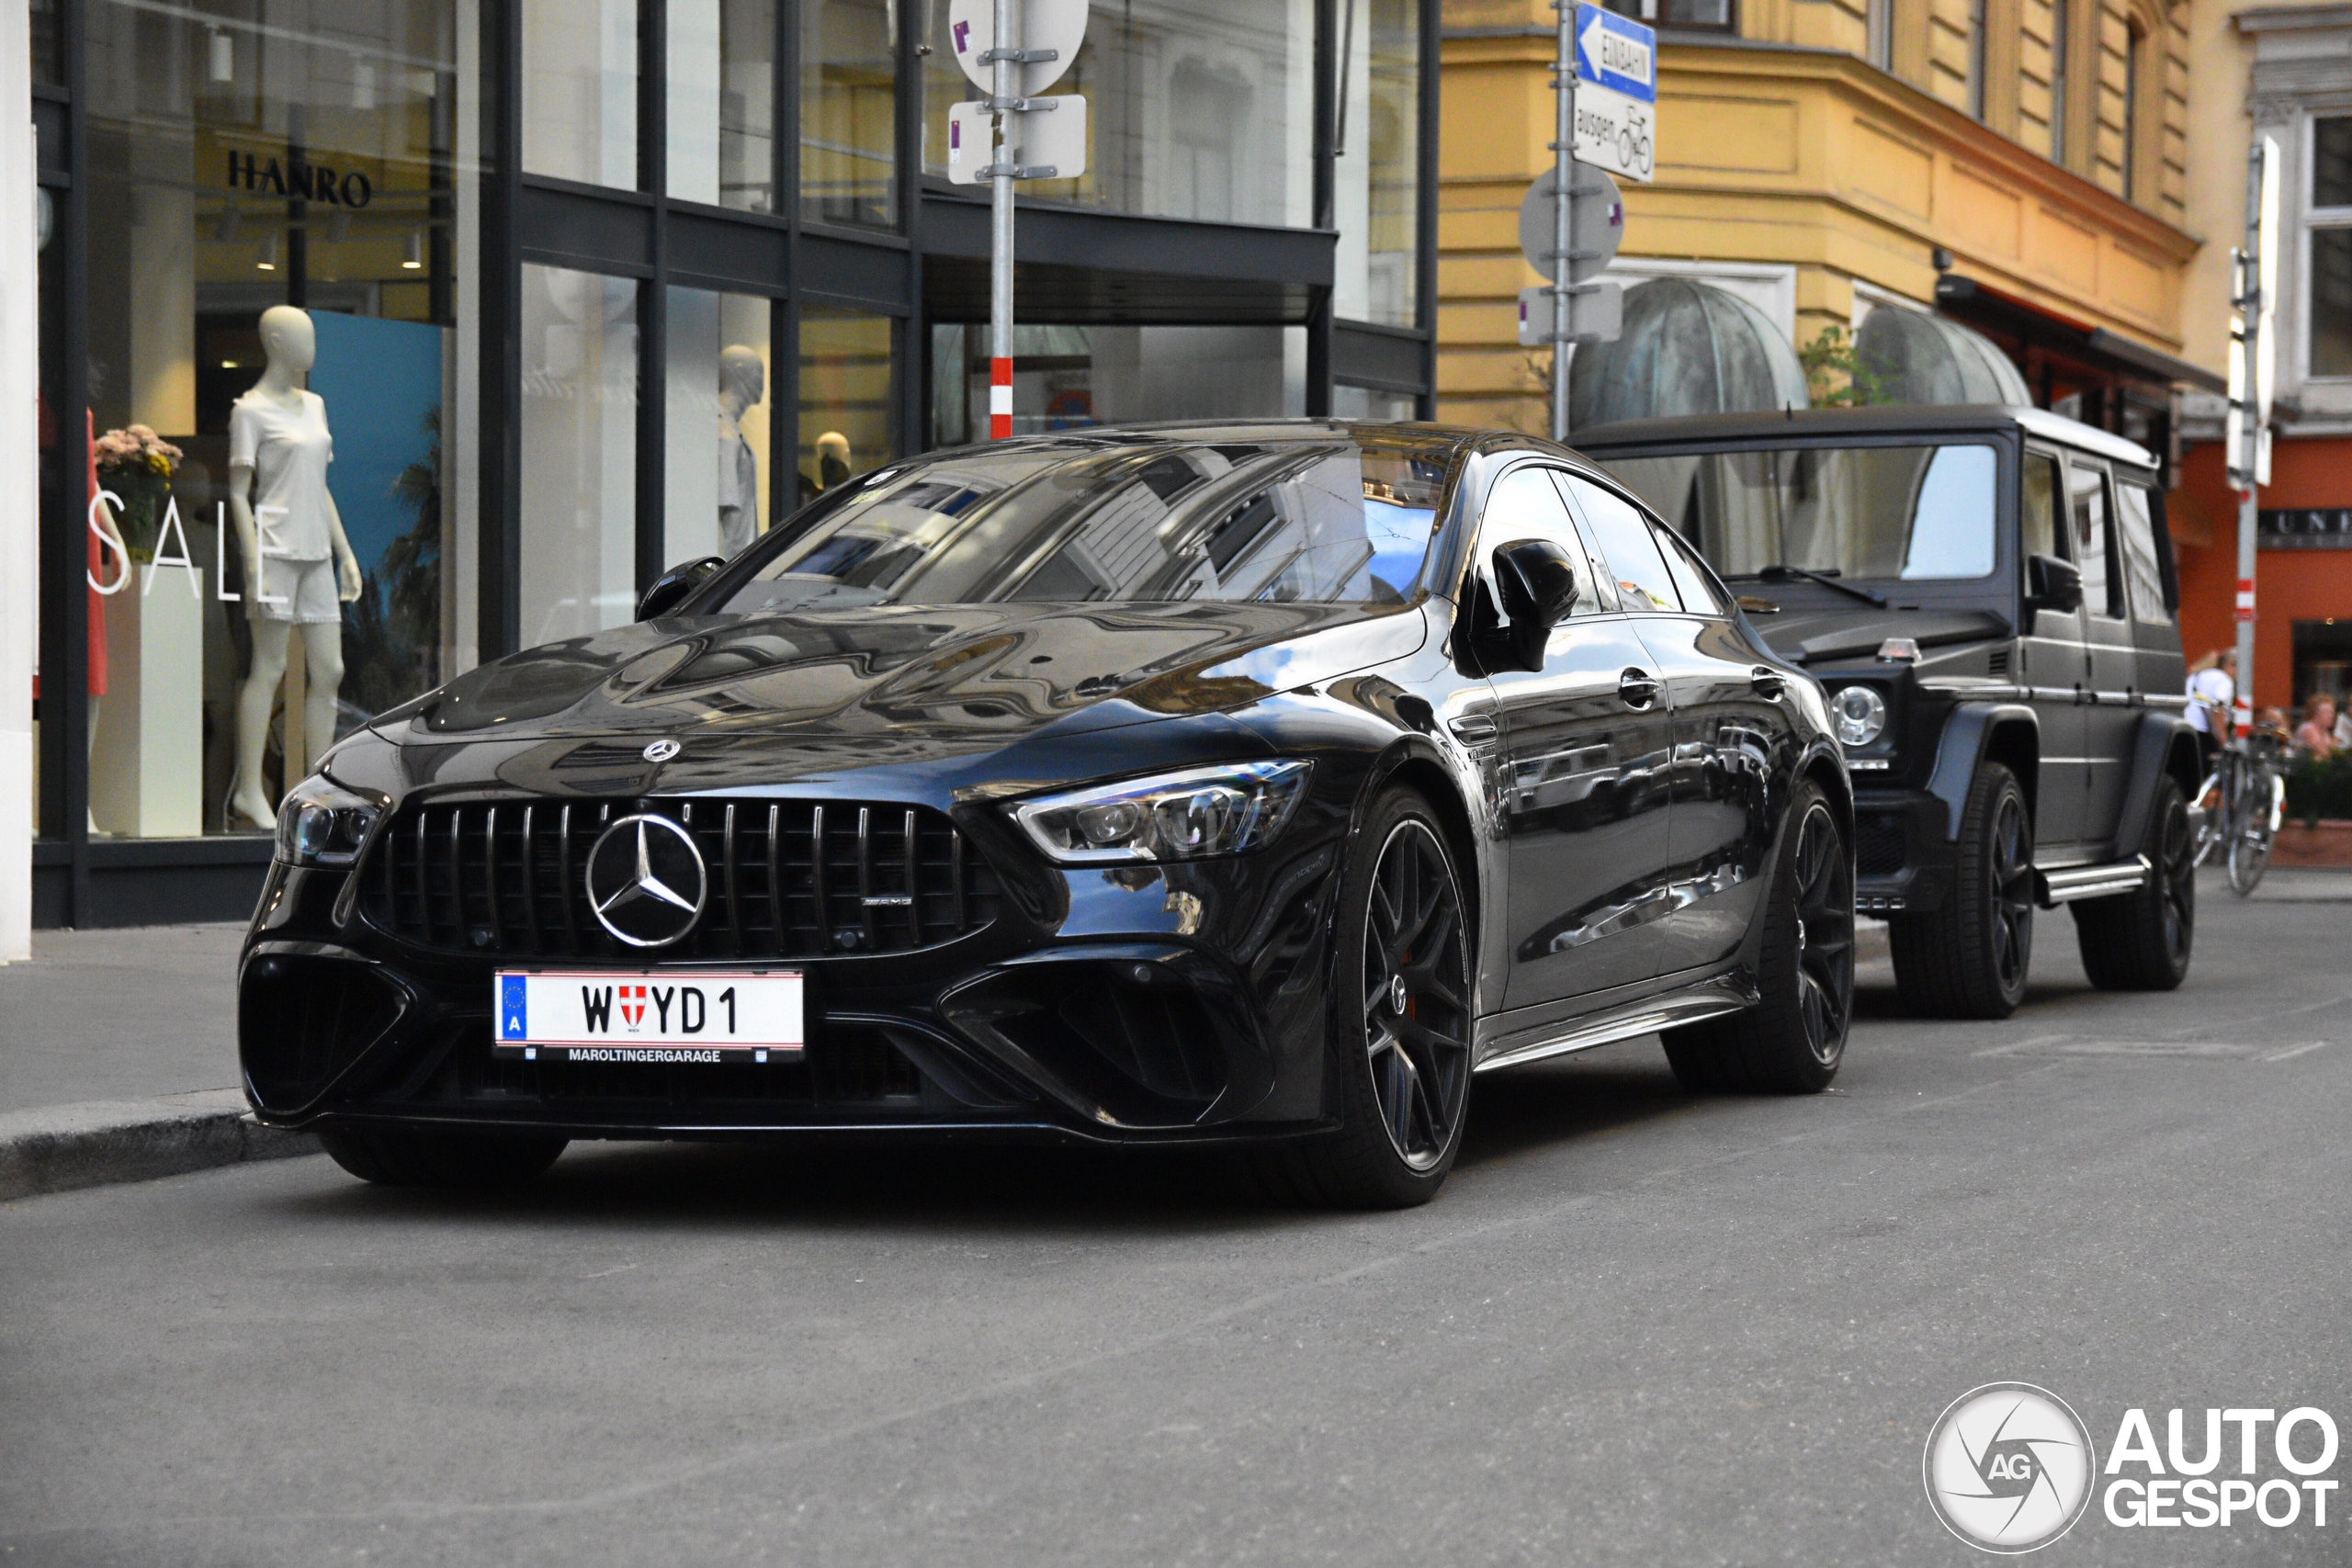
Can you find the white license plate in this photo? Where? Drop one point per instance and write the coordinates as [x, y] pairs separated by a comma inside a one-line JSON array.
[[652, 1016]]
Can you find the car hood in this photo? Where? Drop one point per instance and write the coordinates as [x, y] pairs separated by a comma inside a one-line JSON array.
[[833, 691], [1821, 636]]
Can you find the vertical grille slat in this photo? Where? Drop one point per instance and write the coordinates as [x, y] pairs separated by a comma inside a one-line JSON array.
[[475, 877]]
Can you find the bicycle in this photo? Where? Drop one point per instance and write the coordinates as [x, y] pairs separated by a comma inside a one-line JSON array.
[[2249, 780]]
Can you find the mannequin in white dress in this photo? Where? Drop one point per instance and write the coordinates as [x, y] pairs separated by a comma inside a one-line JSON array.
[[743, 382], [299, 570]]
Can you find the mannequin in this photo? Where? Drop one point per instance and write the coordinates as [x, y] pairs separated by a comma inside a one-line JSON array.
[[743, 382], [294, 550], [833, 459]]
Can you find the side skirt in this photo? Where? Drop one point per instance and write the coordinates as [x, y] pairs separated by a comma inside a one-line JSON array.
[[1502, 1045]]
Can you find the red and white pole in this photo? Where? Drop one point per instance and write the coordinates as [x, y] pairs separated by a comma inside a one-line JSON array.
[[1006, 81], [1001, 399]]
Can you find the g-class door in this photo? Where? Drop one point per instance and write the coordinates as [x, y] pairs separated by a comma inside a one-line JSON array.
[[2053, 663], [2111, 708], [1586, 745]]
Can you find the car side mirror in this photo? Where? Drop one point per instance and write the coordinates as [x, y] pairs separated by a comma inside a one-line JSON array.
[[1537, 582], [2052, 584], [670, 588]]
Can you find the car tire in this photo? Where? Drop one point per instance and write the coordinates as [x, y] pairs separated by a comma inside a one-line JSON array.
[[1400, 1022], [444, 1159], [1794, 1040], [2141, 941], [1970, 958]]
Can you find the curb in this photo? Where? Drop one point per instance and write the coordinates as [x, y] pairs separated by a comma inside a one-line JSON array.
[[94, 1145]]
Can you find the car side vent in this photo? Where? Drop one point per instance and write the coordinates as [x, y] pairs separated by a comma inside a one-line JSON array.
[[1997, 662]]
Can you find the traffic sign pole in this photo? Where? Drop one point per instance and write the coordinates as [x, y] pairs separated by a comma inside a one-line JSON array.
[[1564, 81], [1005, 85], [2258, 290]]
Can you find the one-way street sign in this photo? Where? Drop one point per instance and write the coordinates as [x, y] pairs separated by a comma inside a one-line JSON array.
[[1617, 54], [1616, 107]]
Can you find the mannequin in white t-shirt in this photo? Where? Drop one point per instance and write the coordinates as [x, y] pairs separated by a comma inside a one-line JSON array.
[[299, 570], [743, 382]]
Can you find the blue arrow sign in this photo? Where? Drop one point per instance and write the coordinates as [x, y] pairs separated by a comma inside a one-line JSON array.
[[1616, 53]]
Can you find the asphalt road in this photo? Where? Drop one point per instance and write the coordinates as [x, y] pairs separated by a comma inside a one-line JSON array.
[[1636, 1327]]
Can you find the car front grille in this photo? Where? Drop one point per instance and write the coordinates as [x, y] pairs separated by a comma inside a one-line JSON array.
[[787, 878], [1878, 848]]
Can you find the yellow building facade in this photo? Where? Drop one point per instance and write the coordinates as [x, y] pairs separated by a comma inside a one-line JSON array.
[[1817, 154]]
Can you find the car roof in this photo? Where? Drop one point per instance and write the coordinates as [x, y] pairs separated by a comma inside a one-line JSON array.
[[1899, 418]]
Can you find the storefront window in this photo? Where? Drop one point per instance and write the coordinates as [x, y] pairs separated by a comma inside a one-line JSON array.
[[1194, 111], [844, 397], [1366, 403], [578, 570], [1377, 162], [849, 139], [716, 412], [1066, 377], [275, 209], [44, 29], [579, 72], [721, 58]]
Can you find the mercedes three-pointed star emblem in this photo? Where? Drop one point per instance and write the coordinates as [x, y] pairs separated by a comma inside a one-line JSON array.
[[647, 882]]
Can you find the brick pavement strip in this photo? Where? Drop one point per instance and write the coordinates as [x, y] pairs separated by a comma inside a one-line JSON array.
[[61, 1147]]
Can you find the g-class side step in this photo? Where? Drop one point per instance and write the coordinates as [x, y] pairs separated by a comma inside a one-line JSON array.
[[2056, 887]]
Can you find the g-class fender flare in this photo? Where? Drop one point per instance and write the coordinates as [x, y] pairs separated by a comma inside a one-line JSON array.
[[2005, 732], [2164, 744]]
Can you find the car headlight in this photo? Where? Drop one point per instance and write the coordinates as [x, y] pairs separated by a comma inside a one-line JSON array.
[[1860, 714], [321, 823], [1186, 816]]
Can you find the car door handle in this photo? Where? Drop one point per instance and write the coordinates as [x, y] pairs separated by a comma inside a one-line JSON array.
[[1767, 682], [1637, 688]]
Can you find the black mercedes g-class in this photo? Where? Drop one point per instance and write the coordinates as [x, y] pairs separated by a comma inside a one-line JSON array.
[[1988, 594]]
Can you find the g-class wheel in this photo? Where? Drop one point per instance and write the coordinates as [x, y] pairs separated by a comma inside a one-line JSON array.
[[1969, 959], [2140, 941]]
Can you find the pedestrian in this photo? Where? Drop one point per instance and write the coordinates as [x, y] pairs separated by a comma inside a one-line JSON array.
[[2316, 734], [2212, 689]]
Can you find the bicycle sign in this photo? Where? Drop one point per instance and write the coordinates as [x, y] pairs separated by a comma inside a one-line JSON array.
[[1616, 133], [1616, 54]]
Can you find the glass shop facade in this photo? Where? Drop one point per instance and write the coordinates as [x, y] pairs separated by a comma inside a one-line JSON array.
[[583, 288]]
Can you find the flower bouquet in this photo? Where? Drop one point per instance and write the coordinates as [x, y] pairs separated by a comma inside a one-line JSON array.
[[137, 465]]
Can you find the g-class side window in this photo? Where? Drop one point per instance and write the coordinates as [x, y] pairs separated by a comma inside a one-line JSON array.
[[2134, 511], [2038, 514], [2093, 540]]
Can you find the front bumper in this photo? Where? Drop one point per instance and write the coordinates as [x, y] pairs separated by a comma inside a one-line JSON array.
[[1905, 864], [1184, 1002]]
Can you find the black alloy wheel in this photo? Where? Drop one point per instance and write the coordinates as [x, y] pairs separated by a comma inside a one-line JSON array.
[[1970, 958], [2141, 940], [1794, 1039], [1400, 1021]]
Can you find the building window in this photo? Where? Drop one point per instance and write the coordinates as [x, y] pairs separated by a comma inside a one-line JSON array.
[[721, 91], [1716, 15], [849, 136], [1376, 163], [578, 568], [579, 90], [2061, 50], [2133, 48], [1067, 377], [844, 397], [2331, 247], [1880, 39], [716, 422], [1977, 59], [275, 214]]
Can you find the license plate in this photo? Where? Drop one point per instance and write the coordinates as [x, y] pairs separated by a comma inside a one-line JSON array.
[[648, 1016]]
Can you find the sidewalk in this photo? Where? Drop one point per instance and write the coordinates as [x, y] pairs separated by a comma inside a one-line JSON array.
[[119, 1060]]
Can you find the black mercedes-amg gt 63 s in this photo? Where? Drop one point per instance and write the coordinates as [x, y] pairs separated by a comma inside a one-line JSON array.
[[1255, 782]]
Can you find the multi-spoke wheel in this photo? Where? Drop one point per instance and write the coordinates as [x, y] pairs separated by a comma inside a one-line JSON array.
[[1794, 1040], [1400, 1020], [2252, 830], [2140, 941], [1970, 958]]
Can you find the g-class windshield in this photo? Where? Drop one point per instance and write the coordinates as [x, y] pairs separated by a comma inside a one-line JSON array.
[[1871, 512]]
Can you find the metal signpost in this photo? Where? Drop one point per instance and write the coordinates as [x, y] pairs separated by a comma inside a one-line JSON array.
[[1015, 49], [2251, 380], [1605, 80]]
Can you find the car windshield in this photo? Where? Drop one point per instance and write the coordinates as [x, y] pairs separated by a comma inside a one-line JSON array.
[[1885, 511], [1337, 521]]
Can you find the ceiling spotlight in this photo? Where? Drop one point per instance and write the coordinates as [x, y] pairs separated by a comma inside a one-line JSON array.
[[268, 260], [412, 253], [224, 56]]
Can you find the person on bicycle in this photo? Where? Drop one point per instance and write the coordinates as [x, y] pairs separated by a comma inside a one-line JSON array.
[[2212, 690]]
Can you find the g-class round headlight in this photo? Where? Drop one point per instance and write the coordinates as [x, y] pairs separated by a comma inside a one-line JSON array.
[[1861, 712]]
